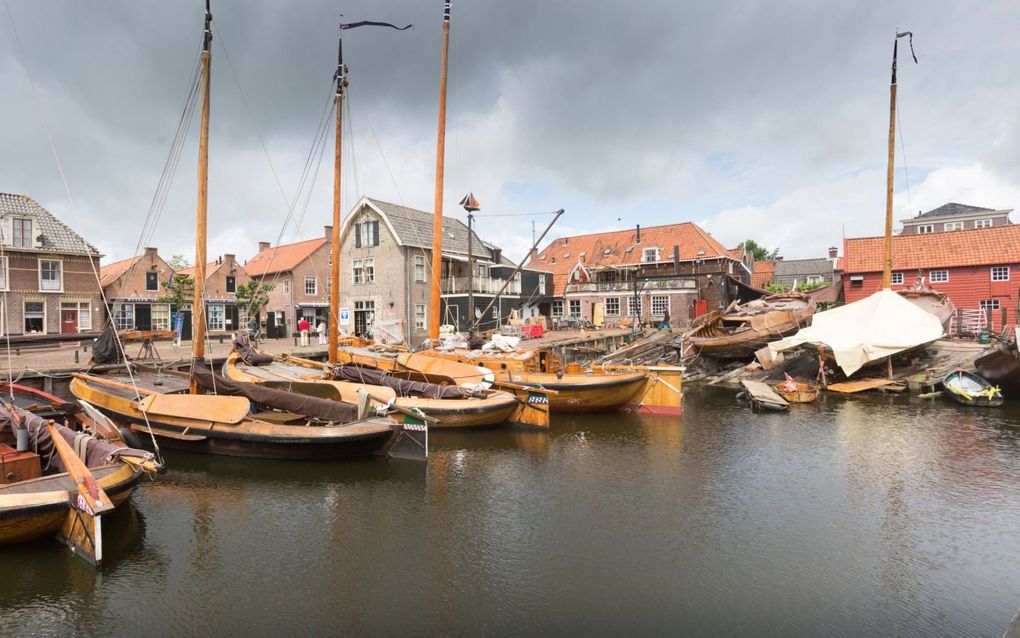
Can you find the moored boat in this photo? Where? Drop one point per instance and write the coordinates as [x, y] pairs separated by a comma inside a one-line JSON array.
[[742, 329], [968, 388], [796, 391]]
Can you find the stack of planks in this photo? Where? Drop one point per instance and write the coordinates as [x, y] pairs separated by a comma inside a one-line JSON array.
[[655, 348]]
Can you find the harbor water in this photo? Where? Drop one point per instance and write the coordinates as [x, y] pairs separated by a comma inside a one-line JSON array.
[[863, 516]]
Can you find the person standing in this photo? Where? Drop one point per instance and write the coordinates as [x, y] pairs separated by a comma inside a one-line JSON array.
[[321, 328], [303, 327], [665, 320]]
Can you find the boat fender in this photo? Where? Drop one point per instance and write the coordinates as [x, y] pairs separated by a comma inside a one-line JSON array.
[[130, 438]]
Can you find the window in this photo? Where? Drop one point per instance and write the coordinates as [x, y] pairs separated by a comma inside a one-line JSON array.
[[989, 304], [938, 276], [541, 284], [557, 308], [575, 308], [286, 286], [215, 317], [359, 271], [160, 316], [633, 307], [857, 281], [3, 274], [366, 234], [612, 306], [311, 285], [982, 223], [152, 280], [924, 229], [660, 305], [419, 316], [483, 272], [897, 278], [22, 233], [369, 271], [84, 315], [650, 255], [231, 284], [1000, 273], [953, 226], [35, 316], [419, 269], [124, 316], [50, 275]]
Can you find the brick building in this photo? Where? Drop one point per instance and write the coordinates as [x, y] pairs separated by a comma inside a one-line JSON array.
[[133, 288], [976, 269], [223, 315], [642, 272], [299, 274], [953, 216], [48, 271], [818, 270]]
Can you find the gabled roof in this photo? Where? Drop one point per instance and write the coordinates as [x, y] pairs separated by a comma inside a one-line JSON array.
[[111, 272], [797, 267], [620, 248], [763, 272], [56, 235], [991, 246], [952, 209], [210, 268], [414, 228], [282, 258]]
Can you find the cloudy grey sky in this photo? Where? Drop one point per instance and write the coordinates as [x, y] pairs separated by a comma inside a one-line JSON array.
[[762, 120]]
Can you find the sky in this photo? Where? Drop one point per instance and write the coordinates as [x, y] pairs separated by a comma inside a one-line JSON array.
[[757, 120]]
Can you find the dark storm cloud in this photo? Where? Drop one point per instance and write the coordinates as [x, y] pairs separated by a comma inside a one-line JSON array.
[[751, 117]]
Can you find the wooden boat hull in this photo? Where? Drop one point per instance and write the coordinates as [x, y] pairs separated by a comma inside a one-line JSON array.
[[1002, 369], [970, 390], [712, 339], [250, 438], [581, 393], [805, 393], [36, 508]]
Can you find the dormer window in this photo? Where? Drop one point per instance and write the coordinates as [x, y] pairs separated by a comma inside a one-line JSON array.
[[607, 251], [22, 233], [650, 255]]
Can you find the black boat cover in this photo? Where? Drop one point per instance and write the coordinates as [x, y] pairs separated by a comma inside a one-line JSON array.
[[106, 349], [403, 387], [250, 355]]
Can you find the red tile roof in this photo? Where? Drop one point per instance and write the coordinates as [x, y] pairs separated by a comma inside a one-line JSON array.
[[110, 272], [618, 248], [190, 272], [282, 258], [763, 273], [977, 247]]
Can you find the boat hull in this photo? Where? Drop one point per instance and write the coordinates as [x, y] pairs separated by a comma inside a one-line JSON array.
[[579, 394], [970, 390]]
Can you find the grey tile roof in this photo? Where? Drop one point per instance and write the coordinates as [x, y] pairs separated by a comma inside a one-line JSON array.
[[414, 228], [56, 236], [798, 267], [952, 209]]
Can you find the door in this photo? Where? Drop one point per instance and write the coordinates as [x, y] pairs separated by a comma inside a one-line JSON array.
[[598, 314], [231, 324], [143, 316], [186, 326], [68, 321], [699, 307]]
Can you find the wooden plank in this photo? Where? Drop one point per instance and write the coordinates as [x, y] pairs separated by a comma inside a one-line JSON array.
[[851, 387], [201, 407], [170, 434], [762, 393]]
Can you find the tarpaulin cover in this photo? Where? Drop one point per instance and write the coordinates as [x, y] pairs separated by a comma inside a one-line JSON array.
[[873, 328], [323, 409], [97, 451], [106, 350], [250, 355], [403, 387]]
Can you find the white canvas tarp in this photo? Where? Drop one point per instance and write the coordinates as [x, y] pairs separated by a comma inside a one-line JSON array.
[[867, 330]]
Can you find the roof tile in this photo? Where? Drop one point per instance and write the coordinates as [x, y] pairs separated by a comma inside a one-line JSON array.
[[976, 247]]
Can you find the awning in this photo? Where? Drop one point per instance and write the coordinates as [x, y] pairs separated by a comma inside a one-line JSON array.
[[463, 258], [313, 304]]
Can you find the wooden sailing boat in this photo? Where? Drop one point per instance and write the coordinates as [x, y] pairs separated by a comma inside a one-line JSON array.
[[740, 330], [384, 381], [173, 407]]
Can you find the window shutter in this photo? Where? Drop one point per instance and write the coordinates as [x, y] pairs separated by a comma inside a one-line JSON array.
[[357, 235], [375, 233]]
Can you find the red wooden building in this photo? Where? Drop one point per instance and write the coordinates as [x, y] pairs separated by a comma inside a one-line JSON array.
[[977, 269]]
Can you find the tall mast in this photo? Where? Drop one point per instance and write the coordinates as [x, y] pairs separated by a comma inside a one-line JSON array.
[[437, 223], [334, 271], [198, 307], [887, 257]]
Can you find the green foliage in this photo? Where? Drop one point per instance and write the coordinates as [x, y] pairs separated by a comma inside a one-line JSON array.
[[178, 262], [253, 295], [178, 290], [760, 252]]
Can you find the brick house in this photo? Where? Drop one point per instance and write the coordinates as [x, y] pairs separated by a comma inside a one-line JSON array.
[[641, 272], [299, 274], [133, 287], [222, 277], [953, 216], [49, 272], [976, 269], [386, 256]]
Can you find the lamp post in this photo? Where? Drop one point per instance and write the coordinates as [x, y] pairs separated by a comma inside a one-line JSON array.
[[470, 204]]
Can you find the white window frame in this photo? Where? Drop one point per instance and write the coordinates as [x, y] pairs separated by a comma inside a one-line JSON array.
[[286, 286], [654, 252], [367, 237], [314, 281], [419, 267], [156, 279], [24, 316], [557, 308], [989, 304], [156, 311], [211, 316], [370, 270], [925, 229], [16, 238], [541, 284], [574, 304], [60, 287], [943, 276], [420, 315], [983, 223], [952, 226], [358, 271], [609, 311], [124, 316], [84, 310], [483, 271], [897, 278], [634, 306], [1000, 273], [659, 298], [5, 283]]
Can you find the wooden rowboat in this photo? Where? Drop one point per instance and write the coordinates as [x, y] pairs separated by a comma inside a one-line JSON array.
[[797, 392], [968, 388], [740, 330]]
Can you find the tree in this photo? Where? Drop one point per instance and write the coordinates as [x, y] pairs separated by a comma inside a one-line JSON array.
[[759, 252], [178, 290], [253, 296], [178, 262]]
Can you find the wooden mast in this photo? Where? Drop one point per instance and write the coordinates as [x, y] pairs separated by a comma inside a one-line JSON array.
[[334, 271], [887, 257], [198, 307], [437, 223]]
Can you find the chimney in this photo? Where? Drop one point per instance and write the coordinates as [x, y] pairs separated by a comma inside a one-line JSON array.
[[638, 234], [228, 257], [150, 252], [263, 245], [833, 252], [676, 259], [328, 231]]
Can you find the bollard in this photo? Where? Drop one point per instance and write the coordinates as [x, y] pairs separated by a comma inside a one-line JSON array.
[[295, 341], [76, 356]]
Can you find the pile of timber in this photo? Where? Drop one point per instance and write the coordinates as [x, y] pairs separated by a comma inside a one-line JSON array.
[[658, 347]]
